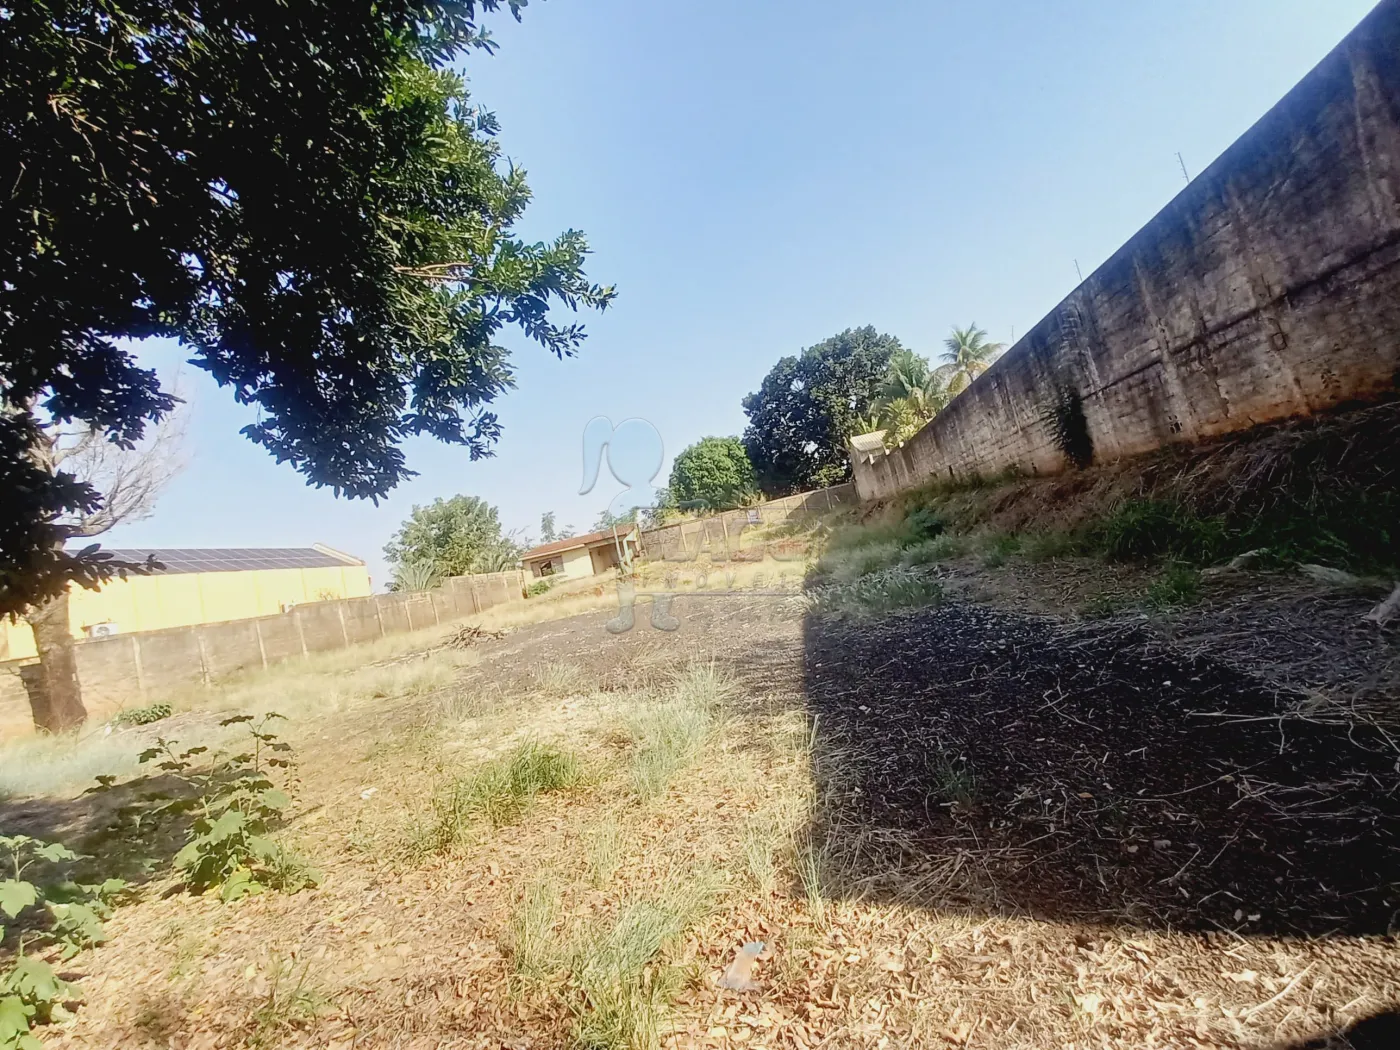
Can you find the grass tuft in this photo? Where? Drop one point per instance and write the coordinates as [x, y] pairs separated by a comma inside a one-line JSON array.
[[499, 793], [884, 591], [1140, 529], [623, 991]]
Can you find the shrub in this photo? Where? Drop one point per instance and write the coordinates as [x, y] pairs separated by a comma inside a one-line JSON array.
[[538, 587], [140, 716], [923, 523], [234, 807]]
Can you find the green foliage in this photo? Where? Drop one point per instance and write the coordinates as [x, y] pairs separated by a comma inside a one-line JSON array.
[[233, 806], [414, 577], [550, 531], [999, 546], [538, 587], [880, 591], [716, 470], [1140, 529], [809, 406], [499, 793], [30, 992], [141, 716], [623, 983], [1052, 544], [1177, 585], [304, 195], [910, 395], [456, 537], [967, 354]]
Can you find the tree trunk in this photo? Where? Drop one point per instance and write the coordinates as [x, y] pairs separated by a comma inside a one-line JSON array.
[[57, 700]]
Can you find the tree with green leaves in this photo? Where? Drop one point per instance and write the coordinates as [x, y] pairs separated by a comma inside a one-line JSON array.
[[454, 537], [911, 395], [810, 405], [549, 531], [303, 194], [715, 470], [967, 354]]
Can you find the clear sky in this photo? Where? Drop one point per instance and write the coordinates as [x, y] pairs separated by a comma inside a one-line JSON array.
[[756, 176]]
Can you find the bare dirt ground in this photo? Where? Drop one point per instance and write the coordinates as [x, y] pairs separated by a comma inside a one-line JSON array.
[[993, 823]]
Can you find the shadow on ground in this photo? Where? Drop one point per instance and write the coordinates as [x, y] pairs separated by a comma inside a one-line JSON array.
[[998, 763]]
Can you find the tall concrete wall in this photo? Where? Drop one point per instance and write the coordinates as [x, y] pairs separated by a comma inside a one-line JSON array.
[[1268, 289], [720, 532], [138, 668]]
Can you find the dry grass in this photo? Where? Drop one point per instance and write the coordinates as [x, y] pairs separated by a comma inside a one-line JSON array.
[[593, 918]]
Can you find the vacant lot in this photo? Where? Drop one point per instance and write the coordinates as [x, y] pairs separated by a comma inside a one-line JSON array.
[[962, 825]]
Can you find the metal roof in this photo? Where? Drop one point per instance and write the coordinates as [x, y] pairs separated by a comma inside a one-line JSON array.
[[872, 442], [234, 559]]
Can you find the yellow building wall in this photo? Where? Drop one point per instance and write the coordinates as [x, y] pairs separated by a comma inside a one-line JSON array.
[[150, 603], [577, 563]]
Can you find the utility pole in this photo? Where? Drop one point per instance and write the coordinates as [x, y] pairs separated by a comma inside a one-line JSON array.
[[1183, 168]]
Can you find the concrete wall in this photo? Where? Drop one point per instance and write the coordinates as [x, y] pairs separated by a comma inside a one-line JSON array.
[[134, 669], [1268, 289], [719, 532]]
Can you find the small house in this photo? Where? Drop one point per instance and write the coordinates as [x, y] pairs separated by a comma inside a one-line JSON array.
[[579, 556]]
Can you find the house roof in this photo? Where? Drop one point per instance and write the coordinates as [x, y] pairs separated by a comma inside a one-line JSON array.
[[872, 442], [234, 559], [588, 539]]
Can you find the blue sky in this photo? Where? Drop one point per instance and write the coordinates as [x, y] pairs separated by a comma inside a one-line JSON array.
[[757, 176]]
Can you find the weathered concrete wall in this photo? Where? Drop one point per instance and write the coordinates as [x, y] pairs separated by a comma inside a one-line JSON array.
[[1268, 289], [719, 532], [138, 668]]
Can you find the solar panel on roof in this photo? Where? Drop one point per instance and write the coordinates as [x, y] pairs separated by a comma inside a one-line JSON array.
[[232, 559]]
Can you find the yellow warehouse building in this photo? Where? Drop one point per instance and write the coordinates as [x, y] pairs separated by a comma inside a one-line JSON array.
[[202, 586]]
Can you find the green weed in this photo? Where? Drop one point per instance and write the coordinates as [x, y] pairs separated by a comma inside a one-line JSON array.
[[1141, 529], [499, 793], [884, 591], [140, 716], [997, 547], [1177, 585], [668, 735]]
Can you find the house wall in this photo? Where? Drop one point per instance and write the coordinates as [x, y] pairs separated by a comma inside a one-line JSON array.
[[153, 603], [577, 563], [1268, 289], [143, 667]]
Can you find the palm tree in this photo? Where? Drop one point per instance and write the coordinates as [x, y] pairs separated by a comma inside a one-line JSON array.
[[910, 396], [967, 356]]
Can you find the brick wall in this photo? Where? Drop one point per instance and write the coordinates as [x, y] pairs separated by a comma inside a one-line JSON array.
[[1268, 289], [132, 669]]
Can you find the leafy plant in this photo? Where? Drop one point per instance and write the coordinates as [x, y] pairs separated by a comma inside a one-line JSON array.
[[140, 716], [538, 587], [30, 992], [234, 806]]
